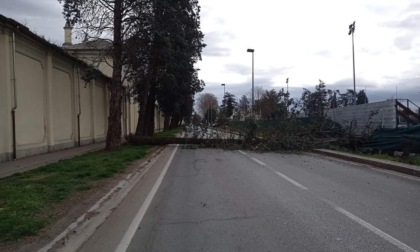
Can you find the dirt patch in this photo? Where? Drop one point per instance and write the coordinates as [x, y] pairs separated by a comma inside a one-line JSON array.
[[69, 210]]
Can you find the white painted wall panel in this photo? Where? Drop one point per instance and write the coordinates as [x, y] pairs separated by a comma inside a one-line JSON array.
[[62, 106], [30, 114]]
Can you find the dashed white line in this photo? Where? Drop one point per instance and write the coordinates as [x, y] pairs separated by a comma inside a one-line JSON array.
[[276, 172], [243, 153], [375, 230], [259, 162], [291, 181], [128, 236], [353, 217]]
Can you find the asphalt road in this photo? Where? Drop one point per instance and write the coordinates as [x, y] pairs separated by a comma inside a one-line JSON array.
[[217, 200]]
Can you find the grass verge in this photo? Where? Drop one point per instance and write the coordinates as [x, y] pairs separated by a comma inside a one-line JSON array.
[[169, 133], [415, 160], [26, 199]]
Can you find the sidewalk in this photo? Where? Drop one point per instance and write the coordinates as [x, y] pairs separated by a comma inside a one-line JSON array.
[[384, 164], [32, 162]]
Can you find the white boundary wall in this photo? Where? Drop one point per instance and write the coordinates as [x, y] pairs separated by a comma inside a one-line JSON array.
[[366, 116], [50, 97]]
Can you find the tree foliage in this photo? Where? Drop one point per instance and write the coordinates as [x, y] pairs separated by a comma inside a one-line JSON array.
[[229, 104], [157, 43], [362, 97], [244, 107], [315, 103], [170, 42], [205, 102], [274, 105], [112, 20]]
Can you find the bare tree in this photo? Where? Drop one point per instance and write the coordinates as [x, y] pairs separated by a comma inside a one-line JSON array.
[[244, 106], [207, 101]]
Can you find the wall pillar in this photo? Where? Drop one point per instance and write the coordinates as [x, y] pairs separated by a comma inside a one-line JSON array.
[[6, 94], [92, 109], [48, 101]]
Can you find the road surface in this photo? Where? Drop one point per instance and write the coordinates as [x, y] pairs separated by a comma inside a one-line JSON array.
[[217, 200]]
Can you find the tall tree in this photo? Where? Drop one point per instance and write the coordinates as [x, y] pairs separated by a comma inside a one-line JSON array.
[[347, 98], [173, 44], [205, 102], [315, 103], [268, 104], [362, 97], [113, 20], [244, 106], [284, 102], [229, 104]]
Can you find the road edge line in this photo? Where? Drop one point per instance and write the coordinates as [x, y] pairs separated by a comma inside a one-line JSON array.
[[376, 230], [83, 222], [129, 234]]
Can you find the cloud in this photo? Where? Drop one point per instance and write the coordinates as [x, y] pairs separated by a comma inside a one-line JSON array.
[[410, 22], [324, 53], [380, 9], [215, 51], [238, 68], [214, 41], [23, 9], [43, 17], [405, 42], [370, 51], [265, 82], [263, 73]]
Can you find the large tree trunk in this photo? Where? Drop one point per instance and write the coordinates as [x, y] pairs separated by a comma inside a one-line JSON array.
[[113, 137], [143, 121], [174, 121], [150, 114], [166, 122]]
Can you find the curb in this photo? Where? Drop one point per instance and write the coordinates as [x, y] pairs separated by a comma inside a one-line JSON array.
[[82, 229], [388, 165]]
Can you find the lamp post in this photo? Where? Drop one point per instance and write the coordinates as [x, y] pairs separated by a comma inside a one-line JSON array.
[[352, 27], [252, 95], [224, 89], [211, 103]]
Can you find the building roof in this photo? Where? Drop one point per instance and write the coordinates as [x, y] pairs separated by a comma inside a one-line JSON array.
[[97, 44], [20, 29]]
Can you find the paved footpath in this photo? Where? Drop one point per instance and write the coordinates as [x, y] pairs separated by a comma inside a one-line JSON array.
[[32, 162]]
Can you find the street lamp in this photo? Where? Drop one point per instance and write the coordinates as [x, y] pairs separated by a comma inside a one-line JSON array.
[[352, 27], [252, 95], [211, 104], [224, 89]]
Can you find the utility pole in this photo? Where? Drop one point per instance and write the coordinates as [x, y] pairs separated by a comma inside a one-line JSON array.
[[352, 27], [252, 101]]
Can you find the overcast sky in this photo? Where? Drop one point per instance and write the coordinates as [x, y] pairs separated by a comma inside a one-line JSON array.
[[303, 40]]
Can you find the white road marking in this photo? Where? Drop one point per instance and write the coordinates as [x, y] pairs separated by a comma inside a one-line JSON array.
[[375, 230], [128, 236], [258, 162], [291, 181], [273, 170], [365, 224], [243, 153]]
